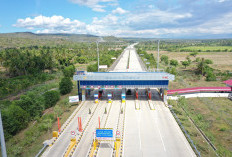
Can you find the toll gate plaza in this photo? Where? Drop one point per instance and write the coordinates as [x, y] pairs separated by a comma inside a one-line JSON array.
[[123, 113], [114, 83]]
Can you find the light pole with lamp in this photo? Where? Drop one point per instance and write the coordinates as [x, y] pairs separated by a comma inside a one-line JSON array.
[[158, 57], [97, 57]]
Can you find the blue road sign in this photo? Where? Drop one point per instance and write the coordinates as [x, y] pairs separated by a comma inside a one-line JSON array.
[[108, 133]]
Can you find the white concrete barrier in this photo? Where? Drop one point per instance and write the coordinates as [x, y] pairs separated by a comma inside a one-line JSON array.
[[194, 95]]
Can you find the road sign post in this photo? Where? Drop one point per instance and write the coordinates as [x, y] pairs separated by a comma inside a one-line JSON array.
[[104, 134]]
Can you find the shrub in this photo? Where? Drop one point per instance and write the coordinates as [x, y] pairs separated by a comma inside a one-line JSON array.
[[51, 97], [185, 63], [208, 61], [210, 76], [14, 119], [174, 62], [92, 68], [65, 85], [68, 71], [82, 60], [164, 59]]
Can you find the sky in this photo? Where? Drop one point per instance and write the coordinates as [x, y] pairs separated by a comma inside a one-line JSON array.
[[121, 18]]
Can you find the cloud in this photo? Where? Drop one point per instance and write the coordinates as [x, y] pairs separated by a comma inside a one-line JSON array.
[[119, 11], [151, 23], [51, 24], [95, 5]]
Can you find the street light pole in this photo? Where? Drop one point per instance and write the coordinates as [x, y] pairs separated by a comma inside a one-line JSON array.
[[3, 146], [97, 57], [158, 57]]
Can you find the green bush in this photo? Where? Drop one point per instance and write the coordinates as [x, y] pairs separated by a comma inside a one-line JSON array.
[[208, 61], [82, 60], [174, 62], [69, 71], [51, 98], [164, 59], [65, 85], [210, 76], [92, 68], [14, 119]]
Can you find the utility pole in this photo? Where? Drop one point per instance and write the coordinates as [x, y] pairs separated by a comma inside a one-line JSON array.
[[158, 57], [3, 146], [97, 57]]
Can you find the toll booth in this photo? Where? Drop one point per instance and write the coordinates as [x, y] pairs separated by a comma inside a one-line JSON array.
[[109, 98], [165, 96], [136, 93], [100, 92], [96, 100], [123, 95], [83, 94]]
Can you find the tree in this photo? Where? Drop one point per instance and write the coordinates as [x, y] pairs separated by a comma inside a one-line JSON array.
[[65, 85], [69, 71], [203, 67], [173, 71], [51, 98], [14, 119], [92, 68], [194, 54], [164, 59], [188, 59], [82, 60], [198, 59], [27, 104], [208, 61], [173, 62], [185, 63]]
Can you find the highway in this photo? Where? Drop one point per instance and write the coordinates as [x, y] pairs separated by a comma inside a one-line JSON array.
[[146, 132]]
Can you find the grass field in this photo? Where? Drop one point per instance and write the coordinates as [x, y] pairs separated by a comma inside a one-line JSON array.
[[213, 117], [221, 60], [208, 48]]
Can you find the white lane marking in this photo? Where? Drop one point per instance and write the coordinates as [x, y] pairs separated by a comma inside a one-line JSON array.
[[156, 120], [139, 121]]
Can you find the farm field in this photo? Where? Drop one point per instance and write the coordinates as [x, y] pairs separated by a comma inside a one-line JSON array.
[[208, 48], [221, 60]]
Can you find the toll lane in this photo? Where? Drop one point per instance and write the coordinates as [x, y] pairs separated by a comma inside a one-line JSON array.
[[106, 147], [87, 138], [63, 141]]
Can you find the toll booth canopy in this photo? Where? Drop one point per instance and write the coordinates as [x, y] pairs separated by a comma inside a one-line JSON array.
[[119, 80]]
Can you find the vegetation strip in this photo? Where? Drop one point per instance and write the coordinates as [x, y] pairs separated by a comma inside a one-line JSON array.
[[202, 133]]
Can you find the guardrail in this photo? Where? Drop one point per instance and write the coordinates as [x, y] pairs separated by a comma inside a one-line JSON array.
[[185, 132], [141, 62], [41, 150]]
